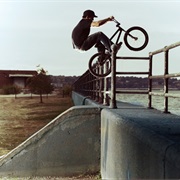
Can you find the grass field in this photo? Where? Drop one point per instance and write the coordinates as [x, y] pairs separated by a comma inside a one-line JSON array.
[[23, 116]]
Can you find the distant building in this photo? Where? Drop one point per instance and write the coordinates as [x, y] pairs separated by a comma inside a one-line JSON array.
[[15, 77]]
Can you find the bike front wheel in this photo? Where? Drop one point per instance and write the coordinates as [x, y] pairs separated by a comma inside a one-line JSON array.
[[136, 38], [100, 65]]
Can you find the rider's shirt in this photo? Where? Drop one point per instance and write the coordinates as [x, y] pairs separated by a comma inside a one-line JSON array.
[[81, 32]]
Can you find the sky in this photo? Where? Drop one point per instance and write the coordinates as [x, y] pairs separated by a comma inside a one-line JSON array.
[[38, 32]]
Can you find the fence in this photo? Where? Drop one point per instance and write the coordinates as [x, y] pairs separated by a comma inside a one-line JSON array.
[[166, 76], [99, 90]]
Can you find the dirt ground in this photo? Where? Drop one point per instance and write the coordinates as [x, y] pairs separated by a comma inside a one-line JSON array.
[[23, 116], [89, 177]]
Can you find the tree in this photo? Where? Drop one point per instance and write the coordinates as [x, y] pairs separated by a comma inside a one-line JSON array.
[[67, 90], [40, 83]]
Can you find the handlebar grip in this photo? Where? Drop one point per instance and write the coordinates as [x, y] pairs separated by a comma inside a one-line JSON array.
[[116, 21]]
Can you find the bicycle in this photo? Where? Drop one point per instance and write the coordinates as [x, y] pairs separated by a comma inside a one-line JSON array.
[[135, 38]]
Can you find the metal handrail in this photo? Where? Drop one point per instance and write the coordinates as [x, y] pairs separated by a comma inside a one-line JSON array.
[[166, 76], [115, 72], [99, 91]]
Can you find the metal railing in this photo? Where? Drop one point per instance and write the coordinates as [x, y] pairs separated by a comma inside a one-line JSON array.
[[166, 76], [104, 91]]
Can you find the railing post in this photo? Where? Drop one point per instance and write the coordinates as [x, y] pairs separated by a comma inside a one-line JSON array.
[[97, 86], [105, 101], [113, 78], [101, 86], [150, 81], [166, 80], [91, 85], [94, 88]]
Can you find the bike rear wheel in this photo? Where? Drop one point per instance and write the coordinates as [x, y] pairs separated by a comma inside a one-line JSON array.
[[142, 38], [100, 65]]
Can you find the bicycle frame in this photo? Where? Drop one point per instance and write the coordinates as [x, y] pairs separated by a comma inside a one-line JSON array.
[[120, 29]]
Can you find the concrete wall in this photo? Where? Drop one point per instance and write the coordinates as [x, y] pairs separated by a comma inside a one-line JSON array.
[[139, 143], [69, 145]]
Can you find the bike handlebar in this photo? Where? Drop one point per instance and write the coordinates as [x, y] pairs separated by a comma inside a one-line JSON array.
[[118, 23]]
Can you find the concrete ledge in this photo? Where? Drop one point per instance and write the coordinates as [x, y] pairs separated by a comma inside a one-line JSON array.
[[80, 100], [137, 143], [67, 146]]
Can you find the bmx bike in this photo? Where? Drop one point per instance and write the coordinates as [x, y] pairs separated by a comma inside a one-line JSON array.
[[135, 39]]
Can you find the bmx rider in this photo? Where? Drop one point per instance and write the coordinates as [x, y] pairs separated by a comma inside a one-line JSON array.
[[80, 34]]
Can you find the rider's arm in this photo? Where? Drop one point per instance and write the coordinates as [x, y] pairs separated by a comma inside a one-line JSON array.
[[101, 22]]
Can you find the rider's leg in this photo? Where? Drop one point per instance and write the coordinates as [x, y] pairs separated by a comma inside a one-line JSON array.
[[100, 47], [102, 58], [97, 38]]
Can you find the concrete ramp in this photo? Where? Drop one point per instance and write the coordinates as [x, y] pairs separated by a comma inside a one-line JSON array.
[[69, 145]]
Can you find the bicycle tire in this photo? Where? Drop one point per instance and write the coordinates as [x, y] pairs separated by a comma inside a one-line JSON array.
[[93, 65], [144, 34]]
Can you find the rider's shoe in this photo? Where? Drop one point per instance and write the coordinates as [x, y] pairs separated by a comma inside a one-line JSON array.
[[119, 45], [107, 54], [116, 47]]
